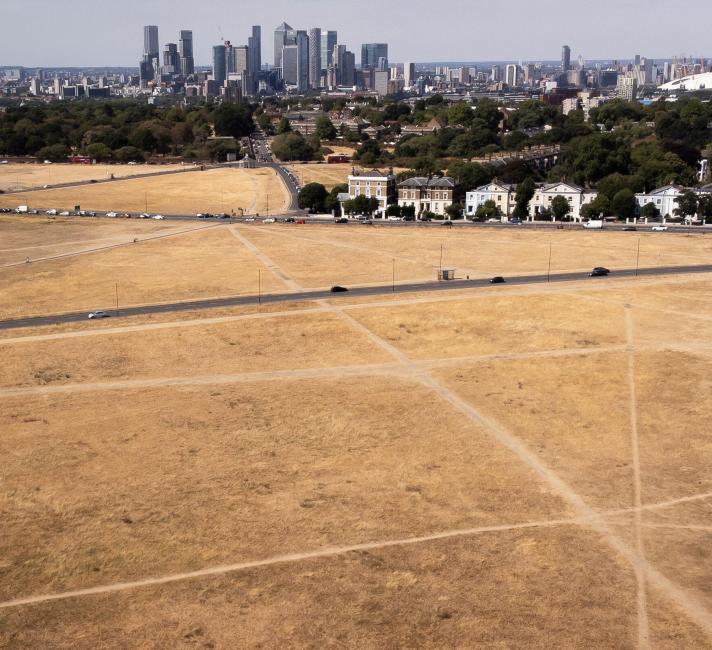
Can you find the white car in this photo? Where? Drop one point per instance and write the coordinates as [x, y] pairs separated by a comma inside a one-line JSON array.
[[493, 220], [270, 220], [659, 228], [47, 162], [393, 218], [64, 214], [158, 216], [98, 314], [4, 162], [111, 214], [143, 215], [45, 186], [250, 219], [133, 162], [51, 213]]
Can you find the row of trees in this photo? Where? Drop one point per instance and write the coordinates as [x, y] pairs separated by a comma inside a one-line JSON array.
[[121, 130]]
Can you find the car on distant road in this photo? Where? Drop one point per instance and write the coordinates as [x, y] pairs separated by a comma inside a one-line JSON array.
[[494, 220], [47, 162], [98, 314], [4, 162], [515, 221], [497, 279], [64, 214], [144, 215], [111, 214], [158, 216], [268, 220], [51, 213], [290, 220], [341, 220], [250, 219], [630, 229], [366, 222], [338, 289], [599, 272], [446, 223], [659, 228]]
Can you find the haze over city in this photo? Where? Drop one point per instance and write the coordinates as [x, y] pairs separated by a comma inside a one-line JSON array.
[[102, 33]]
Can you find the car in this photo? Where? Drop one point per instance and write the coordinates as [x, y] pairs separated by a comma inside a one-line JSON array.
[[111, 214], [98, 314], [393, 218], [515, 221], [446, 223], [4, 162], [250, 219], [64, 214], [158, 217], [33, 212], [599, 272], [47, 162], [338, 289], [630, 229], [268, 220], [44, 187], [144, 215], [366, 222], [341, 220], [290, 220], [659, 228], [51, 213], [132, 162], [300, 222], [497, 279], [494, 220]]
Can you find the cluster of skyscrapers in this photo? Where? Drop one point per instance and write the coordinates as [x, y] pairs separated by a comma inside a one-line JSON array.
[[177, 58], [239, 64]]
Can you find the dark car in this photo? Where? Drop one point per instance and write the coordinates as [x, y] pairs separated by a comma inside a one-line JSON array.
[[630, 229], [515, 221], [338, 289], [446, 223], [497, 279], [290, 220], [366, 222], [599, 272], [342, 220]]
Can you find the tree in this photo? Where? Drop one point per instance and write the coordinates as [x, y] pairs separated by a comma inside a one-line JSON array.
[[488, 210], [292, 146], [468, 176], [325, 129], [623, 204], [454, 211], [687, 204], [600, 206], [393, 210], [284, 126], [332, 201], [313, 197], [560, 207], [361, 205], [408, 212], [650, 211], [368, 153], [128, 154], [704, 206], [233, 119], [54, 152], [522, 197], [98, 151]]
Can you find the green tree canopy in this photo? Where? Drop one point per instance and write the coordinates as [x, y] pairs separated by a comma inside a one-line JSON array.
[[313, 197]]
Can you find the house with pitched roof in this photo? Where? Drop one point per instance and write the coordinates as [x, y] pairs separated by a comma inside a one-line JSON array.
[[371, 183], [501, 193], [576, 196], [427, 194], [663, 198]]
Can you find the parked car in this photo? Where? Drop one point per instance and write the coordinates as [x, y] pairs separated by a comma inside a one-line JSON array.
[[268, 220], [111, 214], [599, 272], [630, 229], [366, 222], [290, 220], [338, 289], [659, 228], [64, 214], [342, 220], [446, 223], [516, 221], [98, 314], [158, 216], [497, 279], [51, 213]]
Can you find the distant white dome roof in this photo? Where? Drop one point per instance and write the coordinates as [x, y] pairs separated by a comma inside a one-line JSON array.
[[693, 82]]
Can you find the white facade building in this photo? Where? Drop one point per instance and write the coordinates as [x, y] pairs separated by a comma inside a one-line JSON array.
[[575, 195], [663, 198], [501, 193], [372, 184]]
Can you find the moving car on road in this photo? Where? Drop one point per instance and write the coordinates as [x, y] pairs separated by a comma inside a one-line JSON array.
[[659, 228], [98, 314], [599, 272], [338, 289], [497, 279]]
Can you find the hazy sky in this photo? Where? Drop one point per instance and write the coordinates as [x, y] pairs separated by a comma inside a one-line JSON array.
[[101, 32]]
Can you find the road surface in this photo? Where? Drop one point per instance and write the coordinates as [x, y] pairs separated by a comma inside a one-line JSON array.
[[308, 296]]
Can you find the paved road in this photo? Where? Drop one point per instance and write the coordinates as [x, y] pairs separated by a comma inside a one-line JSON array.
[[307, 296]]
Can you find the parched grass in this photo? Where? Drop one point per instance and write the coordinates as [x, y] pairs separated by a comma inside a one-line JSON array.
[[212, 190]]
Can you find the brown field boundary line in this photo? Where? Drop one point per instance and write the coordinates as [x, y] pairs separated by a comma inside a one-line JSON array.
[[99, 249]]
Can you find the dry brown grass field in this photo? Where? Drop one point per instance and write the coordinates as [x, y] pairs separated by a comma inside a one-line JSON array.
[[23, 176], [523, 467], [213, 190]]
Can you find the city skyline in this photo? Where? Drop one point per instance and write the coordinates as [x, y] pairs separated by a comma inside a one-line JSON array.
[[595, 38]]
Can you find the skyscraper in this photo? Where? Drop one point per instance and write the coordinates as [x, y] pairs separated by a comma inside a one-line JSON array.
[[302, 41], [372, 52], [511, 75], [187, 62], [219, 63], [255, 45], [408, 74], [565, 58], [348, 69], [280, 40], [171, 60], [338, 58], [328, 41], [315, 64], [150, 42]]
